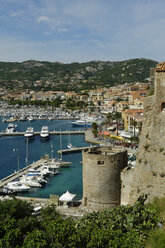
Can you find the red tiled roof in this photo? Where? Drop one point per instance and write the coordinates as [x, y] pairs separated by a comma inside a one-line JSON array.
[[160, 67]]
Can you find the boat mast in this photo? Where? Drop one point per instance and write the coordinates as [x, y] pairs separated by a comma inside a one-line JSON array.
[[51, 149], [27, 151], [18, 166], [69, 138], [61, 144], [18, 163]]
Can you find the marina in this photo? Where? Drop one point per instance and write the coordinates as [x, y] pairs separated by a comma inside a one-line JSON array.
[[14, 146], [34, 166]]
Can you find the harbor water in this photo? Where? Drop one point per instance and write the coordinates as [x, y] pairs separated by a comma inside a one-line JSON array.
[[13, 156]]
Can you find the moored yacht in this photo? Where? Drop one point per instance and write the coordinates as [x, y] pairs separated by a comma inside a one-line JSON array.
[[10, 128], [44, 132], [17, 186], [30, 181], [29, 132]]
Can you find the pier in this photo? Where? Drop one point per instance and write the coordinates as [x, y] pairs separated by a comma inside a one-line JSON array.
[[51, 133], [75, 149], [21, 172]]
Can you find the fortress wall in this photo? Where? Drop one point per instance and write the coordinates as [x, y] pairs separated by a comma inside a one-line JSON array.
[[148, 177]]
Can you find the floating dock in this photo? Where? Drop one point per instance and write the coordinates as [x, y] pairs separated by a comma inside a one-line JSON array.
[[38, 133]]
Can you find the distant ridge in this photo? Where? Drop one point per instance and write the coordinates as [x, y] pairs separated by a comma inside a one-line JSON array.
[[44, 75]]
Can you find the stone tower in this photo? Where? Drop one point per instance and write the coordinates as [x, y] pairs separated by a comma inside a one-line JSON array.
[[148, 177], [101, 177]]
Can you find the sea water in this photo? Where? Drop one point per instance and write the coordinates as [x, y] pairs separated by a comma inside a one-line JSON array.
[[13, 156]]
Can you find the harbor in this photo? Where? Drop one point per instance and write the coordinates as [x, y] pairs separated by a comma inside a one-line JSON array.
[[14, 146], [35, 166]]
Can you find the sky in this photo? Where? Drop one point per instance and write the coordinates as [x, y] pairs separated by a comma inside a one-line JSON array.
[[81, 30]]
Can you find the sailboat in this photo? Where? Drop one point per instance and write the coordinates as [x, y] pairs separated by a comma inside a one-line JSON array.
[[69, 145], [58, 162]]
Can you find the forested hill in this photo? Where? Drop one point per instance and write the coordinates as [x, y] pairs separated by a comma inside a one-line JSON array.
[[45, 75]]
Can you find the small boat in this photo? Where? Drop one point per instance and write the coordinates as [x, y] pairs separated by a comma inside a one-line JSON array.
[[46, 170], [32, 173], [10, 128], [69, 145], [44, 132], [30, 181], [83, 122], [29, 132], [17, 186], [22, 118], [31, 118]]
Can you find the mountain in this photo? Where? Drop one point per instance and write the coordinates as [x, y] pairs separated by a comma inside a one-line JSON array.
[[45, 75]]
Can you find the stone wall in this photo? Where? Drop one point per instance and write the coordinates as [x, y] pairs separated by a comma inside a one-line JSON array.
[[101, 177], [148, 177]]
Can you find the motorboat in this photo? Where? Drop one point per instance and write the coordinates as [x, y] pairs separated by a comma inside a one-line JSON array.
[[17, 186], [30, 118], [46, 170], [32, 173], [84, 121], [30, 181], [10, 128], [22, 118], [29, 132], [44, 132], [81, 123], [54, 164]]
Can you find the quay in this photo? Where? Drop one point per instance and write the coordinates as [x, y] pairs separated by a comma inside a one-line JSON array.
[[75, 149], [34, 165], [51, 133], [21, 172]]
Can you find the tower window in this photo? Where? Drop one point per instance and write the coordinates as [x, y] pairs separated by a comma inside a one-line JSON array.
[[163, 106], [100, 162]]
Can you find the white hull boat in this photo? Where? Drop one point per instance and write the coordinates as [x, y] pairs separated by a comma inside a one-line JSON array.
[[10, 128], [17, 186], [44, 134], [30, 181], [29, 132]]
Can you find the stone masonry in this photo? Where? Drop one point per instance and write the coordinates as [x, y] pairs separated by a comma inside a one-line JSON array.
[[148, 177], [101, 177]]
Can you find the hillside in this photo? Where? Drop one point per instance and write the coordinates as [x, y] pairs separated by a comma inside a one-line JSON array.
[[75, 76]]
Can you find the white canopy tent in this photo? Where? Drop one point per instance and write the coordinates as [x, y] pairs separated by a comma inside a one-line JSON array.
[[67, 197]]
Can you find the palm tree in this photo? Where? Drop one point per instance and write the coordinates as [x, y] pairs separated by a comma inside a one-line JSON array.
[[133, 123], [117, 116]]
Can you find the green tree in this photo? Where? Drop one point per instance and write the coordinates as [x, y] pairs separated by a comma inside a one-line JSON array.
[[133, 123], [36, 239]]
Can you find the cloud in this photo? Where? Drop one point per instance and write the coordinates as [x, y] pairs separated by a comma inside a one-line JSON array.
[[43, 18], [81, 30]]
